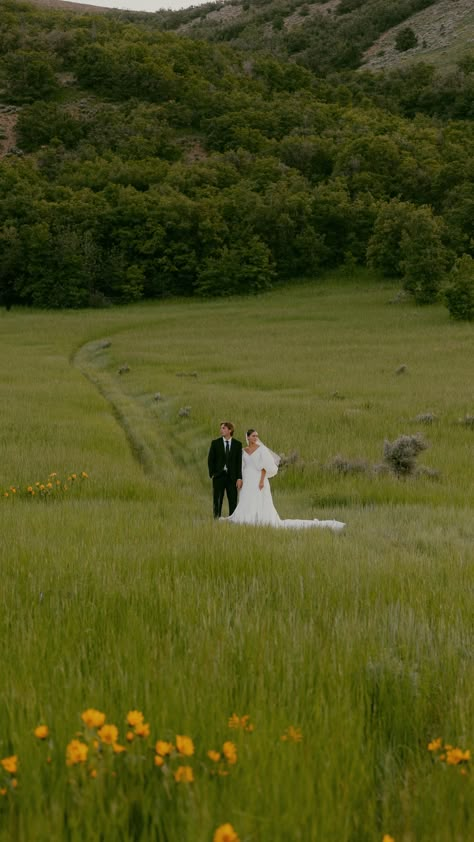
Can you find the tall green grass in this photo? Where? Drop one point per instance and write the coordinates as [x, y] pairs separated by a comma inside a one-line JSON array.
[[123, 593]]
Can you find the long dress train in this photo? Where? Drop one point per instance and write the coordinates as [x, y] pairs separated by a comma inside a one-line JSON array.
[[255, 505]]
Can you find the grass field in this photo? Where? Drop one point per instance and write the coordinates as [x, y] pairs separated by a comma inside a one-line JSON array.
[[122, 593]]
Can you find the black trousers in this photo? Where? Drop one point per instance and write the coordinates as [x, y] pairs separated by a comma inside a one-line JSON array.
[[222, 485]]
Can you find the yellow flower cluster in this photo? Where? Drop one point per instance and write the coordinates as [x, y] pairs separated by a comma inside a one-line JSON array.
[[166, 752], [292, 735], [10, 766], [223, 759], [240, 722], [452, 756], [94, 748], [54, 485]]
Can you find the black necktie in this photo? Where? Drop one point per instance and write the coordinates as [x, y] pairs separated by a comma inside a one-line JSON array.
[[227, 450]]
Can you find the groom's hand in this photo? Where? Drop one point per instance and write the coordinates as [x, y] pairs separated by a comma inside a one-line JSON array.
[[239, 484]]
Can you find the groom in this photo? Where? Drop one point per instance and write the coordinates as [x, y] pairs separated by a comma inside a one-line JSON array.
[[225, 468]]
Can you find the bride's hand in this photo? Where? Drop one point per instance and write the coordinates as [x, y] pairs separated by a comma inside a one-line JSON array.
[[261, 484]]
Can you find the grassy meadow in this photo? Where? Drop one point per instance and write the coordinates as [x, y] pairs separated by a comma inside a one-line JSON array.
[[121, 593]]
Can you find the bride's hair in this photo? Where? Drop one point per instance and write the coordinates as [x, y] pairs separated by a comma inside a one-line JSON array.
[[249, 432]]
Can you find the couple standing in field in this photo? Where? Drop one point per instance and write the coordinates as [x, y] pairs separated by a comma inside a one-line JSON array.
[[243, 473]]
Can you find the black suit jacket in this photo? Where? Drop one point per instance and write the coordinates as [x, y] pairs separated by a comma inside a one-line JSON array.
[[216, 459]]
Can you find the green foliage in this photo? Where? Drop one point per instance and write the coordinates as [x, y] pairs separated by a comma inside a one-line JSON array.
[[406, 39], [423, 256], [409, 241], [148, 159], [30, 75], [459, 294], [242, 268], [384, 247], [42, 122]]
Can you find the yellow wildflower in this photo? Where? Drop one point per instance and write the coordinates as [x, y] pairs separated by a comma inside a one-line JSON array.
[[93, 718], [158, 760], [240, 722], [457, 755], [3, 791], [130, 736], [292, 735], [42, 731], [84, 475], [435, 745], [108, 734], [6, 494], [163, 748], [388, 838], [225, 833], [93, 773], [73, 476], [229, 751], [76, 752], [134, 717], [118, 749], [184, 745], [10, 764], [14, 783], [142, 730], [49, 485], [54, 474], [215, 756], [184, 775]]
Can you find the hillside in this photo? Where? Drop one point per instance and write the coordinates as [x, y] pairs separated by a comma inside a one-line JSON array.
[[140, 164], [64, 5], [312, 33], [332, 34], [445, 33]]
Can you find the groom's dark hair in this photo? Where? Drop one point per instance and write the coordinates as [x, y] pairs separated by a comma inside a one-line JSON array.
[[229, 426]]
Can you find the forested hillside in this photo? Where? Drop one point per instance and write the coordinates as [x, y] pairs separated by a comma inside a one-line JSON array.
[[140, 163]]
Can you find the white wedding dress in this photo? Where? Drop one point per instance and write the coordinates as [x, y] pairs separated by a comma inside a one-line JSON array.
[[255, 505]]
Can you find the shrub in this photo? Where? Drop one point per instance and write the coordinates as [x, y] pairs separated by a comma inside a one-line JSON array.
[[342, 465], [459, 294], [242, 268], [400, 455], [406, 39]]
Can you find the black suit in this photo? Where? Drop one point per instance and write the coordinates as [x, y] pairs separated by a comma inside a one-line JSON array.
[[224, 472]]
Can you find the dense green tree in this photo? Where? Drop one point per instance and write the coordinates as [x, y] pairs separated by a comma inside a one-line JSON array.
[[40, 123], [423, 255], [406, 39], [241, 268], [30, 75], [384, 246], [459, 293]]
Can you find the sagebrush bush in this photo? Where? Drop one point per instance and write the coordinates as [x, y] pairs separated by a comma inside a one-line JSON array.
[[400, 455]]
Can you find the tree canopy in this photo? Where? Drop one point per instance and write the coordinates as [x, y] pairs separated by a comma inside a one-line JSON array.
[[147, 164]]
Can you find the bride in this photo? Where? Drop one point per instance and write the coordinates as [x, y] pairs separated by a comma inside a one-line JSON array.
[[255, 506]]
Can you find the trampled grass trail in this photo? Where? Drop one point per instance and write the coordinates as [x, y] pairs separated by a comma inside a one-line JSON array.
[[120, 593]]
